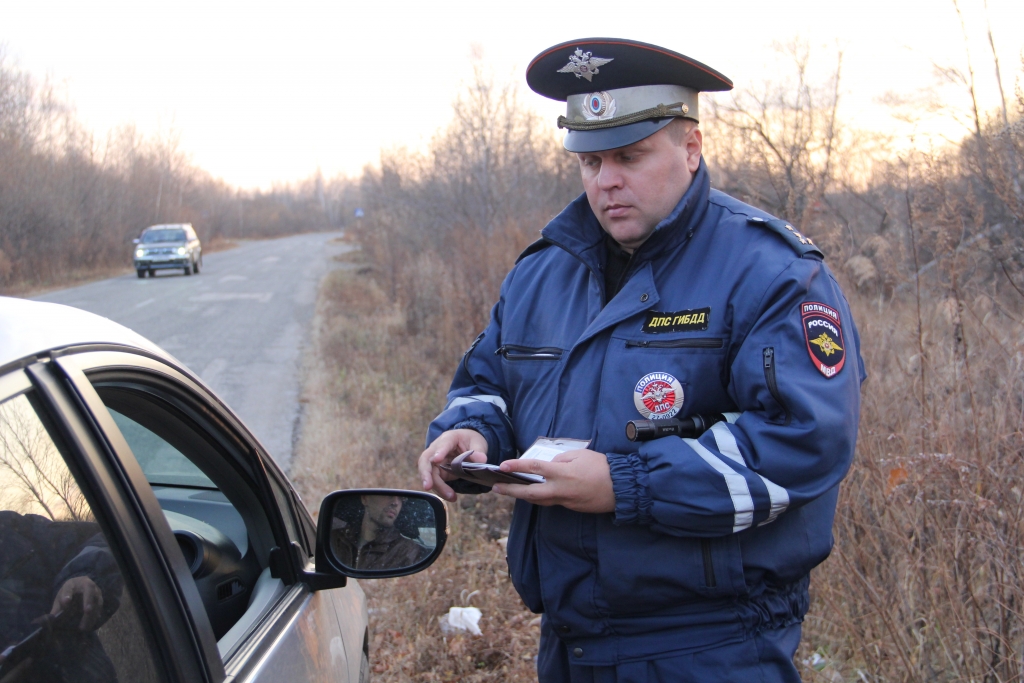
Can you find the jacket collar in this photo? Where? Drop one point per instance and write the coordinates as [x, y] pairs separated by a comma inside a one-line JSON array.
[[577, 230], [384, 537]]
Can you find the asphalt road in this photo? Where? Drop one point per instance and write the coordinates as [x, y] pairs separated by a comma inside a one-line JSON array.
[[242, 324]]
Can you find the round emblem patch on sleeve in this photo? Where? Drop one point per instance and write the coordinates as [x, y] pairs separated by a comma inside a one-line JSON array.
[[824, 333], [658, 396]]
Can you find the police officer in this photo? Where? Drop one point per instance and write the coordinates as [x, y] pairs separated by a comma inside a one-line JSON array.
[[654, 296]]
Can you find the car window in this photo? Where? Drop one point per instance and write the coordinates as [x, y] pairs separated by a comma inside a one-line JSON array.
[[66, 613], [162, 463], [212, 506]]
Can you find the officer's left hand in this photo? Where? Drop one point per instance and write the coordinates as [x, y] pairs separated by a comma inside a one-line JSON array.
[[579, 480]]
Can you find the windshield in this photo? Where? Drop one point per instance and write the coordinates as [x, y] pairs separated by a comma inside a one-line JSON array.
[[164, 235]]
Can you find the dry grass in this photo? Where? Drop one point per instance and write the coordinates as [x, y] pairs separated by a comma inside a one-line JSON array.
[[64, 279], [368, 395], [218, 243], [925, 580]]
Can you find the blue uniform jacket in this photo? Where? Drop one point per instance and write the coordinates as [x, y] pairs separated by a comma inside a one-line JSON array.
[[712, 539]]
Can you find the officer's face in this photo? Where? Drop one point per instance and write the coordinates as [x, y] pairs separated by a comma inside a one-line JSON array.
[[632, 189]]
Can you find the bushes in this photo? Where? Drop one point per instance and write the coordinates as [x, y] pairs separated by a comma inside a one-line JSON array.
[[443, 228]]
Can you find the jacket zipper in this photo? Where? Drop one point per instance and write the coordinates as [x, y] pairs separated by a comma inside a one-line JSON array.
[[769, 378], [511, 352], [691, 343], [469, 352], [709, 567]]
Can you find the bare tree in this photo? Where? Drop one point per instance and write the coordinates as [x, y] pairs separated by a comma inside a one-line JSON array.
[[32, 470], [777, 144]]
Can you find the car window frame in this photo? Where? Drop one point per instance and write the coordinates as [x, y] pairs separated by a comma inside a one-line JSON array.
[[168, 639], [79, 366]]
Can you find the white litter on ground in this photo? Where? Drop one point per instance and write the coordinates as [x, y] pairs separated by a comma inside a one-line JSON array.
[[461, 619]]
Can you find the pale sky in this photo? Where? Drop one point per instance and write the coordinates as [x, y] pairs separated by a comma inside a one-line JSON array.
[[263, 92]]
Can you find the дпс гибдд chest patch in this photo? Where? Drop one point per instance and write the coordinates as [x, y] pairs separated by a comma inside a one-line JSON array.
[[694, 320]]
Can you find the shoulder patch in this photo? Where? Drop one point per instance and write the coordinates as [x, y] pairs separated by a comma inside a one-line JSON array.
[[534, 248], [824, 334], [800, 244]]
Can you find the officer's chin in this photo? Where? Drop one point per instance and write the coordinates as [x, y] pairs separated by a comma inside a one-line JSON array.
[[628, 235]]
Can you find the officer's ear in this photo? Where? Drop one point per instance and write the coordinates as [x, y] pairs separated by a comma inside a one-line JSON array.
[[694, 144], [684, 133]]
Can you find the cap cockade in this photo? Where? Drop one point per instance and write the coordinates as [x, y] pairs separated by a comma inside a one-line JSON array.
[[618, 91]]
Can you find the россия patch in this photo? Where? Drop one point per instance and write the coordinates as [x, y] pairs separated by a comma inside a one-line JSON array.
[[824, 334]]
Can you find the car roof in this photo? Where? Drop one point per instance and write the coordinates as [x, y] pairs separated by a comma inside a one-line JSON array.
[[31, 328], [167, 226]]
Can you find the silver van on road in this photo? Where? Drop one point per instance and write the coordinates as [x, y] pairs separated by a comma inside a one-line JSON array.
[[168, 246]]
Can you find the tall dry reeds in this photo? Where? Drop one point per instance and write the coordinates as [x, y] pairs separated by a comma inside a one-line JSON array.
[[924, 583]]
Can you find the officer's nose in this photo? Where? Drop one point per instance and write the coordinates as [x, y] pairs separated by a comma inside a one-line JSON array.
[[610, 177]]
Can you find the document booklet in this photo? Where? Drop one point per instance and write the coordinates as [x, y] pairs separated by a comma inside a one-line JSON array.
[[488, 475]]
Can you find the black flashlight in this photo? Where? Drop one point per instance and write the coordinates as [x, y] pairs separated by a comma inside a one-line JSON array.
[[687, 428]]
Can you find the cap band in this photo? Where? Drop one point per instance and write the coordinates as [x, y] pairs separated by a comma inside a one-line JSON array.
[[584, 141], [610, 108]]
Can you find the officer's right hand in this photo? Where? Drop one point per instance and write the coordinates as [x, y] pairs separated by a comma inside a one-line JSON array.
[[444, 449], [91, 601]]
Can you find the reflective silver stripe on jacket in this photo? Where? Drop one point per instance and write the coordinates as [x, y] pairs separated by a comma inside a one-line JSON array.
[[742, 502], [780, 500], [484, 398], [726, 442]]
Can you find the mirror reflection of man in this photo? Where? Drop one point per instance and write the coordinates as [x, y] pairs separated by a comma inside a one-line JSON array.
[[374, 542]]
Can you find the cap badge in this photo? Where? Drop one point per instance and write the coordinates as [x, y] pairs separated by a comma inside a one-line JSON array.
[[584, 64], [599, 106], [658, 396]]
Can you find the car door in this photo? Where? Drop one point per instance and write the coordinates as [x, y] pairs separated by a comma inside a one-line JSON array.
[[228, 519], [84, 594]]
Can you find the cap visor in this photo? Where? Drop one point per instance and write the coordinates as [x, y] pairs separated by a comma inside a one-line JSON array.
[[582, 141]]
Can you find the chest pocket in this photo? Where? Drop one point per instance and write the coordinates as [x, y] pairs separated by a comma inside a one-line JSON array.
[[511, 352], [698, 362], [641, 375], [684, 343], [531, 377]]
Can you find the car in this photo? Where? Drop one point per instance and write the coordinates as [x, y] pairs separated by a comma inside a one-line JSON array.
[[146, 535], [170, 246]]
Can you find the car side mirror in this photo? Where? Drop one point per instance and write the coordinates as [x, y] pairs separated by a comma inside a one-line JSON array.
[[135, 241], [379, 533]]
